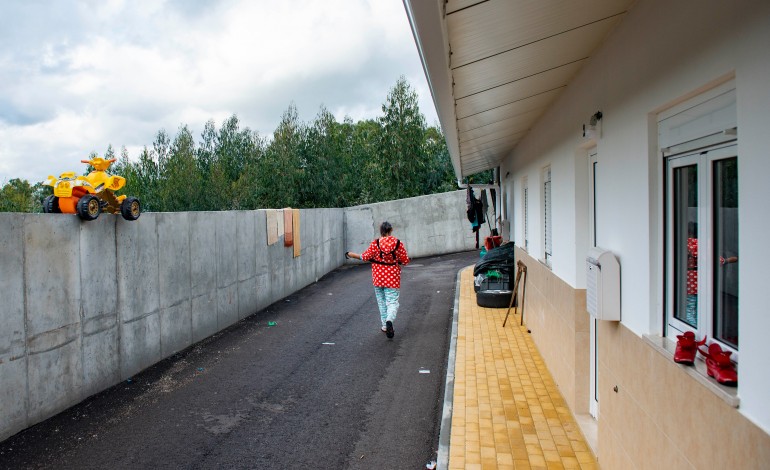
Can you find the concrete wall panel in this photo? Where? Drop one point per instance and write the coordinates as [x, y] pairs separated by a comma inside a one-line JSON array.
[[227, 269], [247, 263], [101, 358], [13, 396], [13, 360], [175, 328], [98, 256], [262, 261], [137, 253], [139, 344], [55, 379], [52, 272], [203, 274], [174, 279]]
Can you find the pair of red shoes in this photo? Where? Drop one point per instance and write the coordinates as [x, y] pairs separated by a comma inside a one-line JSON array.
[[718, 363]]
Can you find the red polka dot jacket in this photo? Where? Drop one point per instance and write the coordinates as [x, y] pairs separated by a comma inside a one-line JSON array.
[[386, 261]]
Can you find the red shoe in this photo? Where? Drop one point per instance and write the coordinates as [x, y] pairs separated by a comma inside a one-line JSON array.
[[719, 365], [686, 346]]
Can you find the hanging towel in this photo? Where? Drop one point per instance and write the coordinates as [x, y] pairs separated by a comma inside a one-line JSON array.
[[288, 234], [271, 216], [295, 222]]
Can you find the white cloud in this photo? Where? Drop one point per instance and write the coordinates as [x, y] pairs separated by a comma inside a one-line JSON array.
[[79, 76]]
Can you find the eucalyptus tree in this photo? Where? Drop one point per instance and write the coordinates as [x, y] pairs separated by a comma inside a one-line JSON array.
[[401, 142]]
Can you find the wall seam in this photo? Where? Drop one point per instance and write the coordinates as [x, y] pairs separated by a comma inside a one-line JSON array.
[[26, 319], [189, 278], [81, 315], [118, 320], [160, 302]]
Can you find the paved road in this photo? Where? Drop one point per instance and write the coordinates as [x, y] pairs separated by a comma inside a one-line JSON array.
[[322, 388]]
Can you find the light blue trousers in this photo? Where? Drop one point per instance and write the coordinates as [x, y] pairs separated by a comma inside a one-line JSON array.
[[387, 301]]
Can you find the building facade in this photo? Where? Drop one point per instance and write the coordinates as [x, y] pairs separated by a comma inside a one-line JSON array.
[[655, 149]]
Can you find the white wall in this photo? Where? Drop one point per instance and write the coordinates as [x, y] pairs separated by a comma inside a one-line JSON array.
[[661, 54]]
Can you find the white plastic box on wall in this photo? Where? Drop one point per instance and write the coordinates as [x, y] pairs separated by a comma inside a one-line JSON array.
[[602, 285]]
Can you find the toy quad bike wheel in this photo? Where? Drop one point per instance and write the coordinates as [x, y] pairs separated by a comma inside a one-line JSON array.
[[88, 207], [130, 208], [51, 205]]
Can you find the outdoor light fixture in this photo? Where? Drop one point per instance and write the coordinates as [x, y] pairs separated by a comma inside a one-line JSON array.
[[591, 131]]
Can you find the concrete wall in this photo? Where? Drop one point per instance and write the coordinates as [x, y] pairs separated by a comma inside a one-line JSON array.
[[87, 305], [427, 225]]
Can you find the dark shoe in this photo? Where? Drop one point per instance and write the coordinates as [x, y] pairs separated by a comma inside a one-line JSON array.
[[389, 329]]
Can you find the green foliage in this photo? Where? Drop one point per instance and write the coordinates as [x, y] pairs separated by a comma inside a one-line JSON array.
[[19, 196], [324, 163]]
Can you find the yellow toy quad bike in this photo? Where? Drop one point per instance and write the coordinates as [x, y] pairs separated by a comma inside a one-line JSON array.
[[88, 196]]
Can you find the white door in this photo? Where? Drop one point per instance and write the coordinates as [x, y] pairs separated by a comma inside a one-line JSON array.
[[593, 404]]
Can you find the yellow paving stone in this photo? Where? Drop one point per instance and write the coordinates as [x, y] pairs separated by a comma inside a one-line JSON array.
[[472, 458], [507, 410], [584, 457], [565, 451], [534, 449], [554, 465], [546, 444]]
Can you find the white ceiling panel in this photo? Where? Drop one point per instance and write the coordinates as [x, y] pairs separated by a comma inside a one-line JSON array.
[[498, 26], [517, 90], [513, 124], [502, 65], [549, 53], [500, 113]]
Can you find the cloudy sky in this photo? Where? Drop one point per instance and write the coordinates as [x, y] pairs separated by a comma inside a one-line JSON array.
[[76, 76]]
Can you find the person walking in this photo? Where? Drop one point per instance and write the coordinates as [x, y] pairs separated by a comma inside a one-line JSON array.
[[387, 254]]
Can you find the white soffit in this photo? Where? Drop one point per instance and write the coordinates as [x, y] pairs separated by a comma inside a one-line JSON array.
[[509, 60]]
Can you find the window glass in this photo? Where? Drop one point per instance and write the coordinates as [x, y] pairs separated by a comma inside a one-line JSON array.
[[702, 241], [726, 250], [547, 218], [526, 214], [685, 221]]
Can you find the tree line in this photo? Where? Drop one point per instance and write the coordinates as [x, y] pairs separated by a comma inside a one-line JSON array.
[[324, 163]]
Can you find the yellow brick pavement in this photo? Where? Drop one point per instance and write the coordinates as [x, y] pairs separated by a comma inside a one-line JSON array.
[[507, 411]]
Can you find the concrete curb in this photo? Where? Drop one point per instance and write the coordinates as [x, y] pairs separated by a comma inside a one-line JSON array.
[[446, 416]]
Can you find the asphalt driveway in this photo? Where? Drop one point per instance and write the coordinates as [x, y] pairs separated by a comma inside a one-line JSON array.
[[310, 382]]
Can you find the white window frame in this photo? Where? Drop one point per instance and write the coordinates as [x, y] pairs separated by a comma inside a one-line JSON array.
[[547, 216], [525, 213], [703, 159], [699, 131]]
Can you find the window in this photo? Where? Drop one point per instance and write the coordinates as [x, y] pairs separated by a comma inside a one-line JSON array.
[[525, 210], [703, 243], [698, 140], [547, 217]]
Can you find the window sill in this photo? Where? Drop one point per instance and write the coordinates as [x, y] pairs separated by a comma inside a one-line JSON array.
[[545, 263], [667, 347]]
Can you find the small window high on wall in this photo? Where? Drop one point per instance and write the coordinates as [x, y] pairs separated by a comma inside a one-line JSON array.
[[547, 217], [698, 142], [525, 211]]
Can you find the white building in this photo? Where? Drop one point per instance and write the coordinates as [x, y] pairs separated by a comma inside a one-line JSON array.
[[622, 124]]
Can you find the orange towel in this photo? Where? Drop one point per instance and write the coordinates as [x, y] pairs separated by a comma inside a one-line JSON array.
[[288, 232]]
